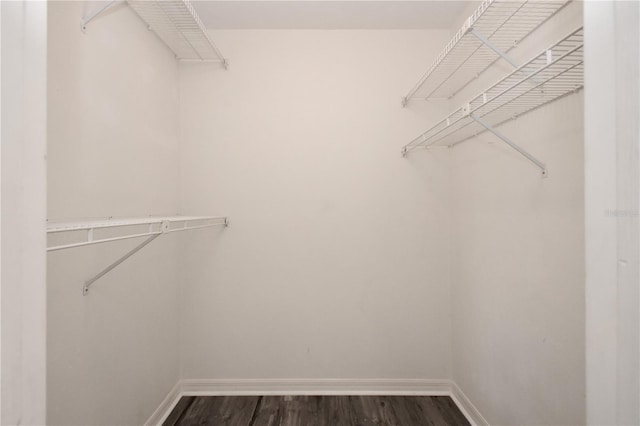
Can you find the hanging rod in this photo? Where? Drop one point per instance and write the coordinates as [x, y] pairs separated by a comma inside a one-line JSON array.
[[176, 23], [486, 36], [96, 232], [554, 73]]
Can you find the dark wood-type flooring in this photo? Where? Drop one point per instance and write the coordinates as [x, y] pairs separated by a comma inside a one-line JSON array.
[[316, 411]]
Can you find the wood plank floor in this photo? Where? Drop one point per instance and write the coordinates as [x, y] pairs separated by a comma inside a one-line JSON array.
[[316, 411]]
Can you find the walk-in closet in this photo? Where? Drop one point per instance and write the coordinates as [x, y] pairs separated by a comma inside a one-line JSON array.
[[320, 212]]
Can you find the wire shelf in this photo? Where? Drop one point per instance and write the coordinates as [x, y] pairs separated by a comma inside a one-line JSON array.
[[179, 27], [96, 232], [504, 23], [133, 227], [554, 73]]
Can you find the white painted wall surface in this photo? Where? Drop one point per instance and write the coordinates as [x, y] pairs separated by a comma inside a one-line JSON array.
[[24, 89], [336, 261], [517, 263], [612, 114], [341, 258], [113, 141]]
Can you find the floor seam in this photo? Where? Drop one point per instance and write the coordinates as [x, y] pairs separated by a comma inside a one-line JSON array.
[[255, 411], [184, 412]]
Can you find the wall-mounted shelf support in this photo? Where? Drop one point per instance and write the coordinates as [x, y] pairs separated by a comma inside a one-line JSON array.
[[105, 271], [92, 15], [101, 231], [509, 142], [492, 46], [498, 51]]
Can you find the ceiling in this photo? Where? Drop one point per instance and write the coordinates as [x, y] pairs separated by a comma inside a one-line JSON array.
[[330, 14]]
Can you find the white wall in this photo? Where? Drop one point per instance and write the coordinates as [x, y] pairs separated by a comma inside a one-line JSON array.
[[517, 263], [612, 114], [113, 141], [341, 256], [336, 261], [24, 52]]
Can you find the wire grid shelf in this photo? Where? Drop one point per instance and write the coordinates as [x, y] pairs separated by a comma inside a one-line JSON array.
[[179, 27], [503, 22], [132, 227], [54, 226], [554, 73], [89, 232]]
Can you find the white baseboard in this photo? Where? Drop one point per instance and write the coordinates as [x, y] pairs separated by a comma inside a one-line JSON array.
[[219, 387], [466, 406], [316, 387], [166, 406]]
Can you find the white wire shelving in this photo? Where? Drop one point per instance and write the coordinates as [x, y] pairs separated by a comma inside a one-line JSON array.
[[88, 232], [487, 35], [176, 23], [554, 73]]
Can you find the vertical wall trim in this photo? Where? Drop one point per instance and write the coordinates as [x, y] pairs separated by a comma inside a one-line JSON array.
[[600, 232], [34, 261], [627, 107], [0, 204], [23, 221], [611, 212]]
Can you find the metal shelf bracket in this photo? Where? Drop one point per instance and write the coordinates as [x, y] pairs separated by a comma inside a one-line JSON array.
[[492, 46], [92, 15], [105, 271], [512, 144], [153, 233], [499, 52], [165, 226], [130, 228]]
